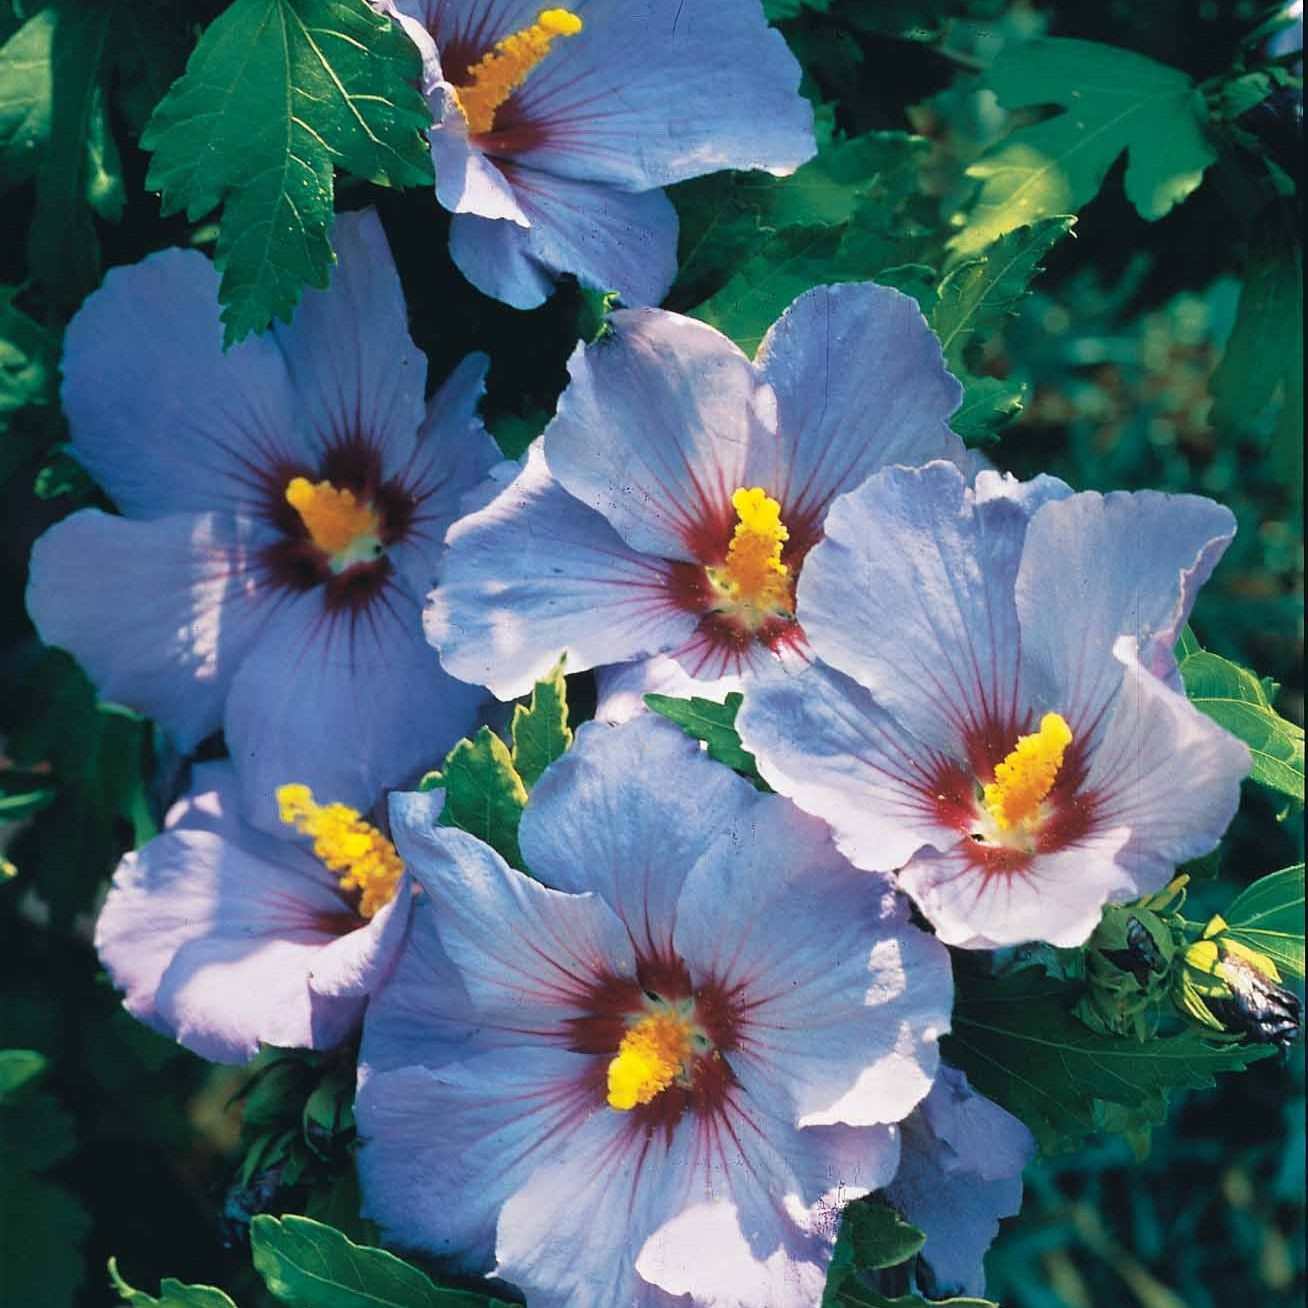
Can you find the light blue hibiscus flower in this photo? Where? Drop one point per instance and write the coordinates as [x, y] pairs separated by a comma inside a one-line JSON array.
[[663, 1067], [225, 937], [670, 505], [997, 711], [960, 1171], [284, 504], [555, 128]]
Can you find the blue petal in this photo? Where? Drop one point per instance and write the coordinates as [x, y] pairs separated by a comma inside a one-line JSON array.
[[625, 813], [610, 239], [960, 1172], [160, 614], [356, 372], [656, 428], [348, 704], [652, 92], [160, 415], [1097, 567], [860, 384], [536, 574]]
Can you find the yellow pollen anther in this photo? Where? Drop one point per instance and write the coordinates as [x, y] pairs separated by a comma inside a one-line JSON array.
[[364, 858], [499, 72], [650, 1058], [1027, 775], [335, 518], [753, 575]]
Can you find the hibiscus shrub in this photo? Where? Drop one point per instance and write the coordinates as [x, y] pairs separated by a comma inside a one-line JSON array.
[[654, 653]]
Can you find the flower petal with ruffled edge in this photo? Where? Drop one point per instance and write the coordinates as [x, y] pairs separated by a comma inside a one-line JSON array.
[[962, 652], [960, 1171], [225, 938], [587, 1201]]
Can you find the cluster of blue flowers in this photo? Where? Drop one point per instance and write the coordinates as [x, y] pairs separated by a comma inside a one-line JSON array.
[[660, 1065]]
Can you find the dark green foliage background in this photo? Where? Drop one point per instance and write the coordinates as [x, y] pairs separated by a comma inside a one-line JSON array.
[[1118, 344]]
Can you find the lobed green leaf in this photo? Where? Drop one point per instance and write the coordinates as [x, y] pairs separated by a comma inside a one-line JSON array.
[[713, 723], [1113, 101], [172, 1293], [276, 94], [540, 728], [484, 793], [1020, 1045]]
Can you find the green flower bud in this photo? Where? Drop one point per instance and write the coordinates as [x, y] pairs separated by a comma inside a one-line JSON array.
[[1226, 985]]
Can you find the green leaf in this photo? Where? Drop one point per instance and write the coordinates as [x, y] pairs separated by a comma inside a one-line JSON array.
[[308, 1265], [786, 264], [1113, 101], [19, 1067], [779, 10], [980, 292], [43, 1223], [1263, 362], [54, 126], [96, 755], [23, 793], [1268, 917], [872, 1235], [44, 1226], [484, 793], [711, 722], [751, 243], [1235, 699], [276, 93], [989, 404], [29, 360], [540, 729], [172, 1294], [29, 385], [1020, 1045]]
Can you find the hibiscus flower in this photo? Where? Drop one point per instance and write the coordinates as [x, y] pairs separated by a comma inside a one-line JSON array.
[[283, 506], [997, 712], [662, 1067], [670, 505], [554, 129]]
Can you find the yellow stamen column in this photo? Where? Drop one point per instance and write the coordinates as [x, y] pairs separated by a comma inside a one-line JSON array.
[[499, 72]]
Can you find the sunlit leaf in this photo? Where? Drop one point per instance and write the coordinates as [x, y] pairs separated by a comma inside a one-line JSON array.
[[1235, 699], [1112, 101], [540, 728], [308, 1265], [1269, 916], [172, 1293]]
